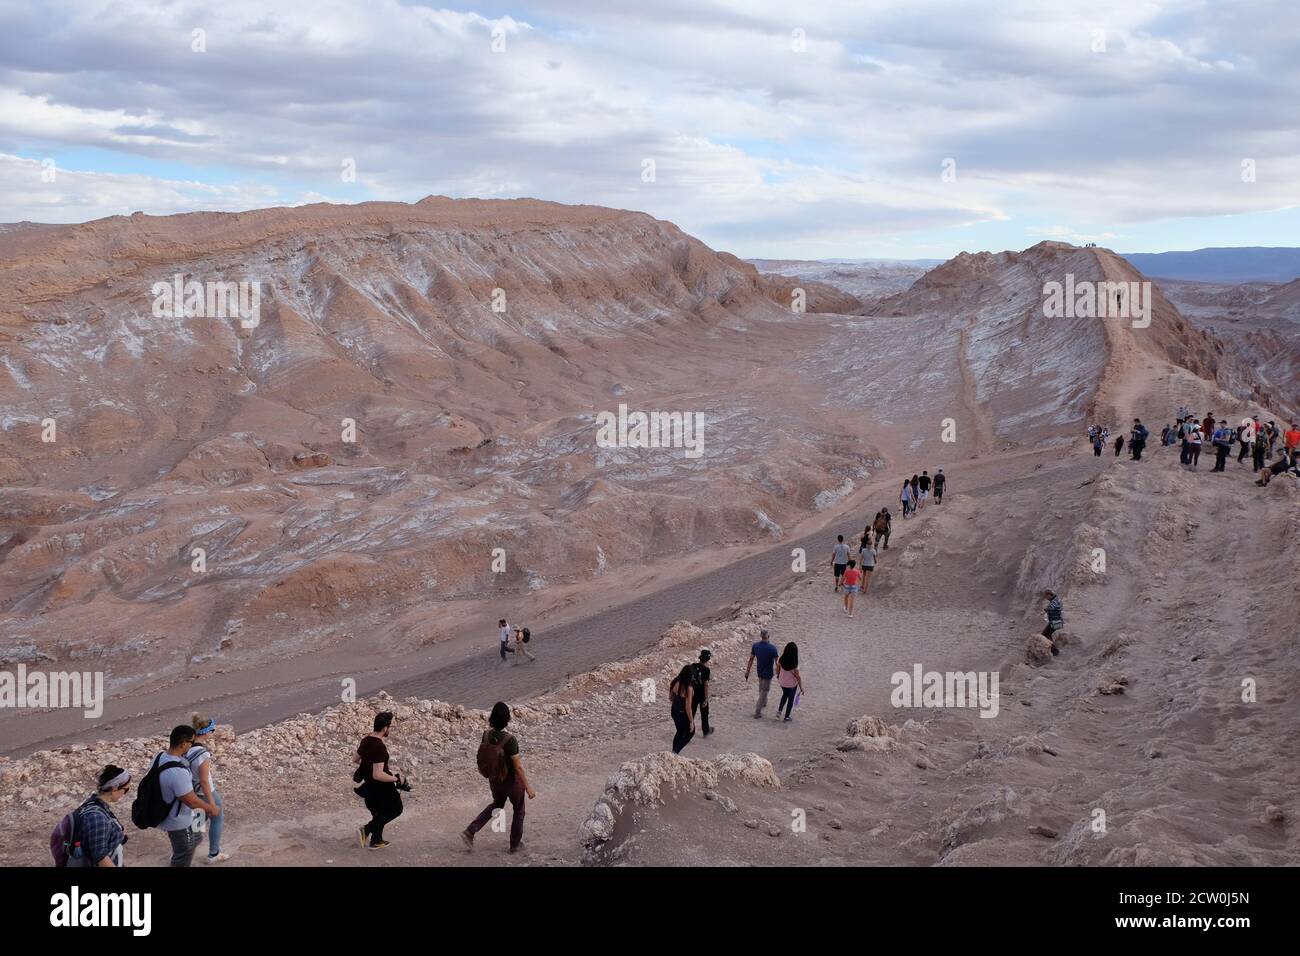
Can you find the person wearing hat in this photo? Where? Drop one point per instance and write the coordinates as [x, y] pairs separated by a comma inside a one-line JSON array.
[[100, 838], [765, 653], [700, 681]]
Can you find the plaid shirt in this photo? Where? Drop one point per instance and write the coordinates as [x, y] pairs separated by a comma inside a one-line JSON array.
[[98, 831], [1055, 616]]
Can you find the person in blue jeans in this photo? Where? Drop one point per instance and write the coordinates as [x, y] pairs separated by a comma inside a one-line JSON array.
[[764, 653], [787, 676], [199, 757]]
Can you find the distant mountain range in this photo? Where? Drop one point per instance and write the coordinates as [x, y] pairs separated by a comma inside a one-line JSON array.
[[1241, 264]]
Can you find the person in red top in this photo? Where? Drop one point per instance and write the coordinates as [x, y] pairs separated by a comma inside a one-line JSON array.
[[1291, 441], [852, 580]]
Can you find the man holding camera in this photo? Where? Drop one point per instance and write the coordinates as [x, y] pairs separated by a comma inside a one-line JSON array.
[[379, 788]]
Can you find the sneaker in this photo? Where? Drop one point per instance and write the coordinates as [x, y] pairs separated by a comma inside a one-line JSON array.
[[518, 847], [467, 838], [379, 845], [362, 835], [785, 720], [758, 716], [219, 858]]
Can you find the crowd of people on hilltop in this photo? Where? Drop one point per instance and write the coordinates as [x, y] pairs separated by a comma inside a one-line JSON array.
[[1271, 450]]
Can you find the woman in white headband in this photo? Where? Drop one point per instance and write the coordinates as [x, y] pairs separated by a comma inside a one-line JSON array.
[[96, 838]]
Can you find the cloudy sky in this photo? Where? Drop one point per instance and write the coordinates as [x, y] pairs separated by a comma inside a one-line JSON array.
[[875, 128]]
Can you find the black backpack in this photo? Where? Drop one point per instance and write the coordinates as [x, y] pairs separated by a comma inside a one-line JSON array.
[[149, 809]]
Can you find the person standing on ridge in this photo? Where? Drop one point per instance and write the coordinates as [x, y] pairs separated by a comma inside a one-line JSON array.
[[839, 560], [1138, 439], [1222, 441], [764, 653]]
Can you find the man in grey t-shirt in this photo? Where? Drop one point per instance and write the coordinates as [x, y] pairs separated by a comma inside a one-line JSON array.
[[178, 791], [839, 560]]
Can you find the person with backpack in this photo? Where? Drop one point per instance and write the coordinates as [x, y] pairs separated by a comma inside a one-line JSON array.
[[839, 560], [1194, 453], [1138, 439], [681, 693], [199, 758], [499, 761], [788, 678], [700, 698], [881, 527], [1222, 441], [90, 835], [763, 652], [167, 799], [1097, 444], [1261, 450], [378, 784], [939, 482], [522, 637]]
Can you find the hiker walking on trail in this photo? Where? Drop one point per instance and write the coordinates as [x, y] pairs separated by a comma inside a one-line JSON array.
[[839, 560], [1097, 444], [852, 580], [522, 637], [939, 482], [1291, 442], [499, 761], [764, 653], [90, 835], [1261, 450], [199, 758], [881, 527], [1055, 618], [682, 694], [866, 562], [906, 499], [167, 800], [504, 634], [788, 677], [1194, 447], [700, 698], [378, 784], [1119, 444], [924, 481]]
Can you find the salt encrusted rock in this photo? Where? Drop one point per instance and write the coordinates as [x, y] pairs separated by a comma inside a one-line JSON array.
[[1038, 650]]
